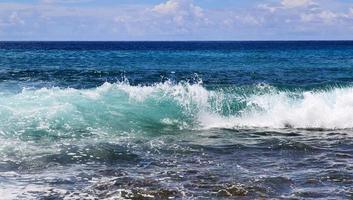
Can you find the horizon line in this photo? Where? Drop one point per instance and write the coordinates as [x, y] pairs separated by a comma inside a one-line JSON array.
[[305, 40]]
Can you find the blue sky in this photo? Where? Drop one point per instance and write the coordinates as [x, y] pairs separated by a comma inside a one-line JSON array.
[[176, 20]]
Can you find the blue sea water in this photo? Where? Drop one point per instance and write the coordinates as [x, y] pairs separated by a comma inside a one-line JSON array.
[[183, 120]]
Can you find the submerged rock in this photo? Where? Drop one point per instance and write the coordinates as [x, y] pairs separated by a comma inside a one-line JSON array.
[[233, 190], [152, 194]]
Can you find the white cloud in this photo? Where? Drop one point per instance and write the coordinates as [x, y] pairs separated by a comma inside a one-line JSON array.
[[15, 19], [181, 12], [295, 3], [167, 7], [179, 7], [327, 17], [269, 8], [173, 19]]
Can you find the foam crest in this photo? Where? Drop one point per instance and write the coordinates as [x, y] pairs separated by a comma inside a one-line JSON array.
[[109, 108], [330, 109], [121, 107], [192, 97]]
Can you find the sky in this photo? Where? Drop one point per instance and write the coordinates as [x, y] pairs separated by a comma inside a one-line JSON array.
[[127, 20]]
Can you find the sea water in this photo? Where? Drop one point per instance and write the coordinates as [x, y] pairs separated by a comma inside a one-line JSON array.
[[183, 120]]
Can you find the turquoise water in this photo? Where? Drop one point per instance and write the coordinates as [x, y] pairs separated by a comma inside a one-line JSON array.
[[188, 120]]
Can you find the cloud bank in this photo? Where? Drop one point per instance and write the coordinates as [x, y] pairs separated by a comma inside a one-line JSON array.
[[176, 20]]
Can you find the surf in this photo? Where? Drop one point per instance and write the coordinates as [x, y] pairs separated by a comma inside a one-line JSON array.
[[167, 107]]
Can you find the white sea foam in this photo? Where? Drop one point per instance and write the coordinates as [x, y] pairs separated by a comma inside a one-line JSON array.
[[110, 104], [331, 109], [322, 109]]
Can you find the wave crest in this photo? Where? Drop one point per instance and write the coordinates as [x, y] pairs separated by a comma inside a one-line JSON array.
[[161, 107]]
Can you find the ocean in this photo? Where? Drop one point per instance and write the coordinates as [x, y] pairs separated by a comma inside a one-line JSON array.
[[177, 120]]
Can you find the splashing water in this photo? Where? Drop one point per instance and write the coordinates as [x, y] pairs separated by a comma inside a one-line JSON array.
[[267, 120], [122, 107]]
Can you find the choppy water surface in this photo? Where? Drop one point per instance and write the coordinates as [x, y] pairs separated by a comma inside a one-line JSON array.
[[183, 120]]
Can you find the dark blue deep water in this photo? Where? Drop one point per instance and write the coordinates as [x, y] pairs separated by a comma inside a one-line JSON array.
[[181, 120]]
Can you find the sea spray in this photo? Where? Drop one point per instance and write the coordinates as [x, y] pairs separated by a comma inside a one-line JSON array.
[[268, 120], [121, 107]]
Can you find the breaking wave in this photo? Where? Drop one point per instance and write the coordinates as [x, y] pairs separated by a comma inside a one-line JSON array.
[[166, 106]]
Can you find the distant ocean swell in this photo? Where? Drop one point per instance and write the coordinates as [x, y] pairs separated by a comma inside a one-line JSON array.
[[166, 106]]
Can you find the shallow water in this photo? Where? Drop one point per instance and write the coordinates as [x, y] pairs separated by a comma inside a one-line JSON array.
[[197, 120]]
